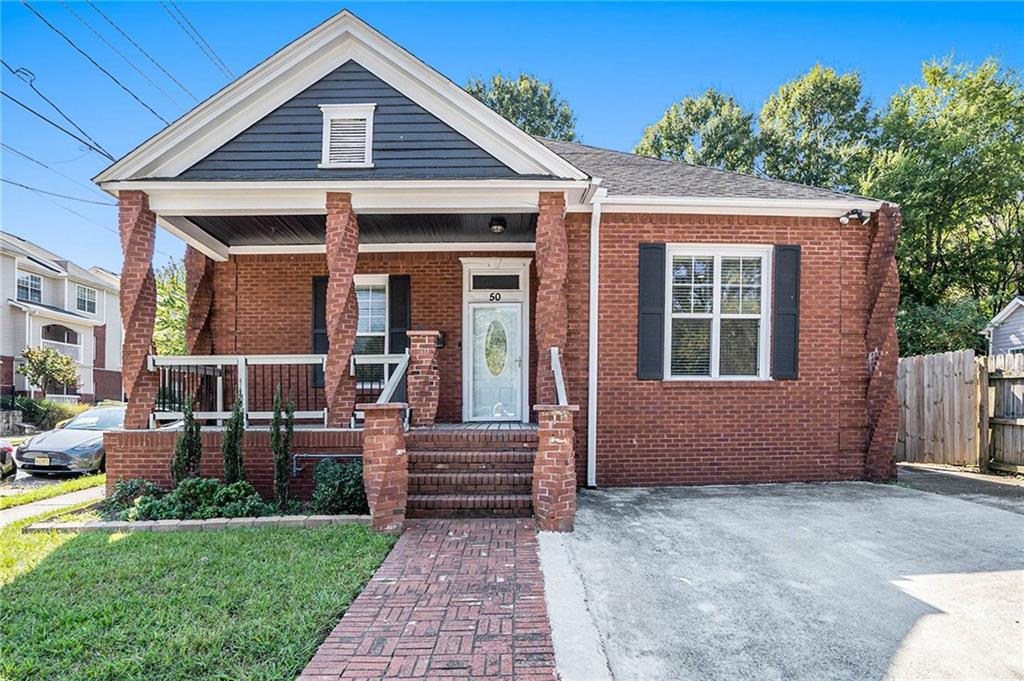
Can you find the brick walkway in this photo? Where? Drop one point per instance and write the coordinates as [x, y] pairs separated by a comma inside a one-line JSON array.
[[455, 599]]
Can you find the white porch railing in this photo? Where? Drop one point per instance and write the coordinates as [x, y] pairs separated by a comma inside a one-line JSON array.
[[70, 349], [556, 369], [211, 383], [378, 379], [63, 399]]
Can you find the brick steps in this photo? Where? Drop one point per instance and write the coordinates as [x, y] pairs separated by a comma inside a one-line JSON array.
[[457, 482]]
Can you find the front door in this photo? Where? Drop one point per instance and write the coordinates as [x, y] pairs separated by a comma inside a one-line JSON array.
[[496, 367]]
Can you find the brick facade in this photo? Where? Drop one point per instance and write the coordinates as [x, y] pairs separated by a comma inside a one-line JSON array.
[[6, 371], [342, 240], [99, 339], [385, 465], [107, 384], [199, 293], [424, 379], [554, 471]]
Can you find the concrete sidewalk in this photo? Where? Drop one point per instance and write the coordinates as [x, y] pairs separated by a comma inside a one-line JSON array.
[[13, 515]]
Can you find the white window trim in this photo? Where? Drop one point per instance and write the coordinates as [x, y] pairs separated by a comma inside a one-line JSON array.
[[42, 291], [95, 299], [333, 111], [764, 338], [1015, 350], [376, 280]]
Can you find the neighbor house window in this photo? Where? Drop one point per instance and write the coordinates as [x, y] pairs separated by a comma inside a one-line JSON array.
[[85, 299], [347, 136], [1016, 351], [717, 302], [30, 287]]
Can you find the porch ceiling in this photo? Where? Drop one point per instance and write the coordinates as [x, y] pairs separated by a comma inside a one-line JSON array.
[[299, 230]]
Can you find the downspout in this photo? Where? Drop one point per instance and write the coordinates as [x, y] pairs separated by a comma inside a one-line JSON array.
[[593, 311]]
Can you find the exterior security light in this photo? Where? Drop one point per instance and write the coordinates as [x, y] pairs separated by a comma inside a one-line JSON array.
[[497, 225]]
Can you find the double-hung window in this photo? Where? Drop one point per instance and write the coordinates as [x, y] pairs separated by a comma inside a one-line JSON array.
[[372, 327], [717, 312], [85, 299], [30, 287]]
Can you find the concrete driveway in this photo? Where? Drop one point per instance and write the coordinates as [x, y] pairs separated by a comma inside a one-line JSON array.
[[826, 581]]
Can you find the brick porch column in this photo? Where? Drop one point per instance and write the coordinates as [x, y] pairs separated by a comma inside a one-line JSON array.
[[881, 344], [137, 226], [385, 465], [554, 469], [342, 309], [424, 379], [199, 292], [551, 316]]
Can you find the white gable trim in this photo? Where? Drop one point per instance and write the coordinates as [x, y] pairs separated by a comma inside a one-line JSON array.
[[291, 70], [1004, 314]]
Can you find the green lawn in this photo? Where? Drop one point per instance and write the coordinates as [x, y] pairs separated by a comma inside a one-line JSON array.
[[236, 604], [50, 491]]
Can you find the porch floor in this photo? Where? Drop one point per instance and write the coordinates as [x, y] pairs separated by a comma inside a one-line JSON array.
[[484, 425]]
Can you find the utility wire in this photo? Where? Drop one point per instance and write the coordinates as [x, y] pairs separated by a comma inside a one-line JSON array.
[[62, 196], [29, 79], [97, 149], [118, 52], [140, 49], [94, 62], [196, 38], [209, 47], [28, 157]]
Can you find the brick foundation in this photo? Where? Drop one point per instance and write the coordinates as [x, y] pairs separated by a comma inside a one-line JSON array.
[[137, 225], [554, 469], [385, 465], [424, 381]]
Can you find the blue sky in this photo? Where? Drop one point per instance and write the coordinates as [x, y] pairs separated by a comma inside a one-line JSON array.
[[618, 65]]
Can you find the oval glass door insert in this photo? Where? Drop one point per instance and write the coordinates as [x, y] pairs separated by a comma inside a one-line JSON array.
[[496, 347]]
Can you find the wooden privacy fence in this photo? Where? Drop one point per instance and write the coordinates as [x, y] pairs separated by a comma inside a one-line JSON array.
[[959, 409]]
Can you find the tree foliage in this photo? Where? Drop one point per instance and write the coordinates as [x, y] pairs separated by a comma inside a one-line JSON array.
[[533, 105], [817, 130], [954, 325], [48, 369], [281, 428], [171, 310], [709, 130], [231, 444], [188, 448]]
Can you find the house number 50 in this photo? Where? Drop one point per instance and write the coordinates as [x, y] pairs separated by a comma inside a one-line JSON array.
[[495, 297]]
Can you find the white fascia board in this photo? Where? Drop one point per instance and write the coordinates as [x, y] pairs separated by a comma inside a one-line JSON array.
[[731, 206], [190, 233], [46, 313], [304, 62]]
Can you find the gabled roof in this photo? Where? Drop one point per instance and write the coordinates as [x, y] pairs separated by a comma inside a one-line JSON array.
[[292, 69], [1003, 314], [52, 312], [627, 174], [51, 262]]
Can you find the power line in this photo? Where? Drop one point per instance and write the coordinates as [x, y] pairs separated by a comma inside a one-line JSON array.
[[196, 38], [140, 49], [28, 157], [220, 62], [95, 63], [116, 51], [97, 149], [29, 79], [62, 196]]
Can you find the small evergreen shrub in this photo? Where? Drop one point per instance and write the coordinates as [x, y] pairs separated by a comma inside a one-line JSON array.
[[231, 445], [199, 499], [125, 494], [338, 488], [188, 449], [280, 443]]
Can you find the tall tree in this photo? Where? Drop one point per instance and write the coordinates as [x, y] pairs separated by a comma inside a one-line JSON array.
[[528, 102], [709, 130], [951, 153], [171, 310], [817, 129]]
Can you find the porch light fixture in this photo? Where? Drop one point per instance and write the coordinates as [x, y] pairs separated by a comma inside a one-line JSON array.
[[497, 225], [864, 218]]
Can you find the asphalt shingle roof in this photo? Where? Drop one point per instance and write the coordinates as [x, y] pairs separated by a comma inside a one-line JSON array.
[[634, 175]]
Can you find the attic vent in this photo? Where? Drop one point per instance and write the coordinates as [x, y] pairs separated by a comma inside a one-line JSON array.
[[348, 136]]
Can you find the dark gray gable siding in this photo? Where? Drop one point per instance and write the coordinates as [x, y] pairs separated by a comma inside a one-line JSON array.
[[408, 142]]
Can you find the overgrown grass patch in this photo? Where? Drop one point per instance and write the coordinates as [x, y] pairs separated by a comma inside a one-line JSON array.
[[235, 604], [54, 490]]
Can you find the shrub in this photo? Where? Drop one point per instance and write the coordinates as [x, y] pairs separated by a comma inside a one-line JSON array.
[[231, 445], [126, 493], [188, 449], [280, 443], [199, 499], [338, 488], [44, 414]]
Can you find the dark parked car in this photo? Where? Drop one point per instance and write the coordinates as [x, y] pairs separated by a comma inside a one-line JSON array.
[[77, 447], [6, 459]]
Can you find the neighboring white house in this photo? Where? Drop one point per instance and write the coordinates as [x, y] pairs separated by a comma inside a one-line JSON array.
[[1006, 330], [48, 300]]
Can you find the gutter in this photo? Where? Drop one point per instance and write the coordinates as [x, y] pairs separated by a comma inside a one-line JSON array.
[[599, 195]]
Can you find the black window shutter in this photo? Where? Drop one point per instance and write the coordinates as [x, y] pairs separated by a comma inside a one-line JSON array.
[[786, 313], [399, 319], [650, 365], [319, 326]]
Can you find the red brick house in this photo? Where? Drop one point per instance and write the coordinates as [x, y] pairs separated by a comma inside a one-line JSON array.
[[520, 314]]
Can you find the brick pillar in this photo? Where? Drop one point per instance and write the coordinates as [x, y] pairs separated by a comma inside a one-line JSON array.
[[424, 382], [199, 292], [554, 469], [881, 345], [342, 309], [385, 465], [551, 317], [137, 225]]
